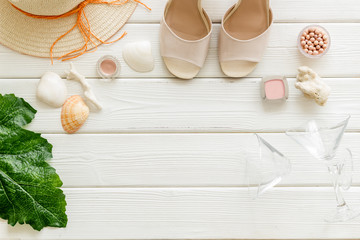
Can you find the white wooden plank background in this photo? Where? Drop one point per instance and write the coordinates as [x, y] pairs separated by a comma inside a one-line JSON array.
[[281, 56], [201, 105], [164, 159], [191, 160], [202, 213]]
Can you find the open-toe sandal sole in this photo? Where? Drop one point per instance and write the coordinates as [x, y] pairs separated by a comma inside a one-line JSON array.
[[188, 21], [248, 19]]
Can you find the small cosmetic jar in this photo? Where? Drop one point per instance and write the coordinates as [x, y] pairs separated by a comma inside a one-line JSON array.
[[108, 67], [274, 88], [314, 41]]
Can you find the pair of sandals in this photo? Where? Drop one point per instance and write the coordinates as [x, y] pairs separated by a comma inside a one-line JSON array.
[[185, 33]]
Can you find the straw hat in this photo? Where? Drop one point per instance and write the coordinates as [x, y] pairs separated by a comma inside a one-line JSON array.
[[35, 36]]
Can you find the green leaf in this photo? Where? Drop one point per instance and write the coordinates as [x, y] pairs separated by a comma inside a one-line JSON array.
[[15, 111], [29, 187]]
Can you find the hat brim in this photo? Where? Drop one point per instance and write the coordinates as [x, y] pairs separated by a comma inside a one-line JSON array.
[[33, 36]]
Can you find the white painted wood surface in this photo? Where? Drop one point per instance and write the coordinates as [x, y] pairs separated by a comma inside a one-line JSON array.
[[165, 158], [202, 213], [191, 160], [201, 105], [281, 56]]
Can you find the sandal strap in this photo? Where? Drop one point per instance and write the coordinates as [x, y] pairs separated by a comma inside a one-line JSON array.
[[232, 49], [172, 46]]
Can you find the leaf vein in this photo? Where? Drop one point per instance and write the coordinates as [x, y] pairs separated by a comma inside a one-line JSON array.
[[7, 197], [33, 200]]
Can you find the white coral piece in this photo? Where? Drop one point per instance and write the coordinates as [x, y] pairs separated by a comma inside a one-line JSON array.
[[88, 93], [312, 85]]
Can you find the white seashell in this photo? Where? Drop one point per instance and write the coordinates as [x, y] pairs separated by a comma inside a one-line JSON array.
[[74, 114], [138, 56], [52, 90]]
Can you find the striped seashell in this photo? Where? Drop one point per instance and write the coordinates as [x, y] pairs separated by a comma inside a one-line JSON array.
[[74, 114]]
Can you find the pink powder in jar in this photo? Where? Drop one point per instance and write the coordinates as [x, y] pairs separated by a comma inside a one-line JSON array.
[[108, 67], [274, 89]]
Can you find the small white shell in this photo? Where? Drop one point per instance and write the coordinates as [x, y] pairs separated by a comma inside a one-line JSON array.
[[138, 56], [52, 90]]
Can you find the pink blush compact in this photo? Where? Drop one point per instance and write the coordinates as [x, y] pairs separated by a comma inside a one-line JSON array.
[[274, 88]]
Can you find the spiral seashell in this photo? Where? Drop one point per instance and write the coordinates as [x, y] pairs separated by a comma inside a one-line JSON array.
[[138, 56], [74, 114]]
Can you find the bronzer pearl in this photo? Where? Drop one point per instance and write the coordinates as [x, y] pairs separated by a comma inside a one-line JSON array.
[[314, 41]]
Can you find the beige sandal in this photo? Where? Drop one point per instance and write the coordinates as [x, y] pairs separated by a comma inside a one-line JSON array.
[[184, 37], [244, 36]]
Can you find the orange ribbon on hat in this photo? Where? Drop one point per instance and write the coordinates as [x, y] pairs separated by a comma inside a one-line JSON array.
[[84, 27]]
